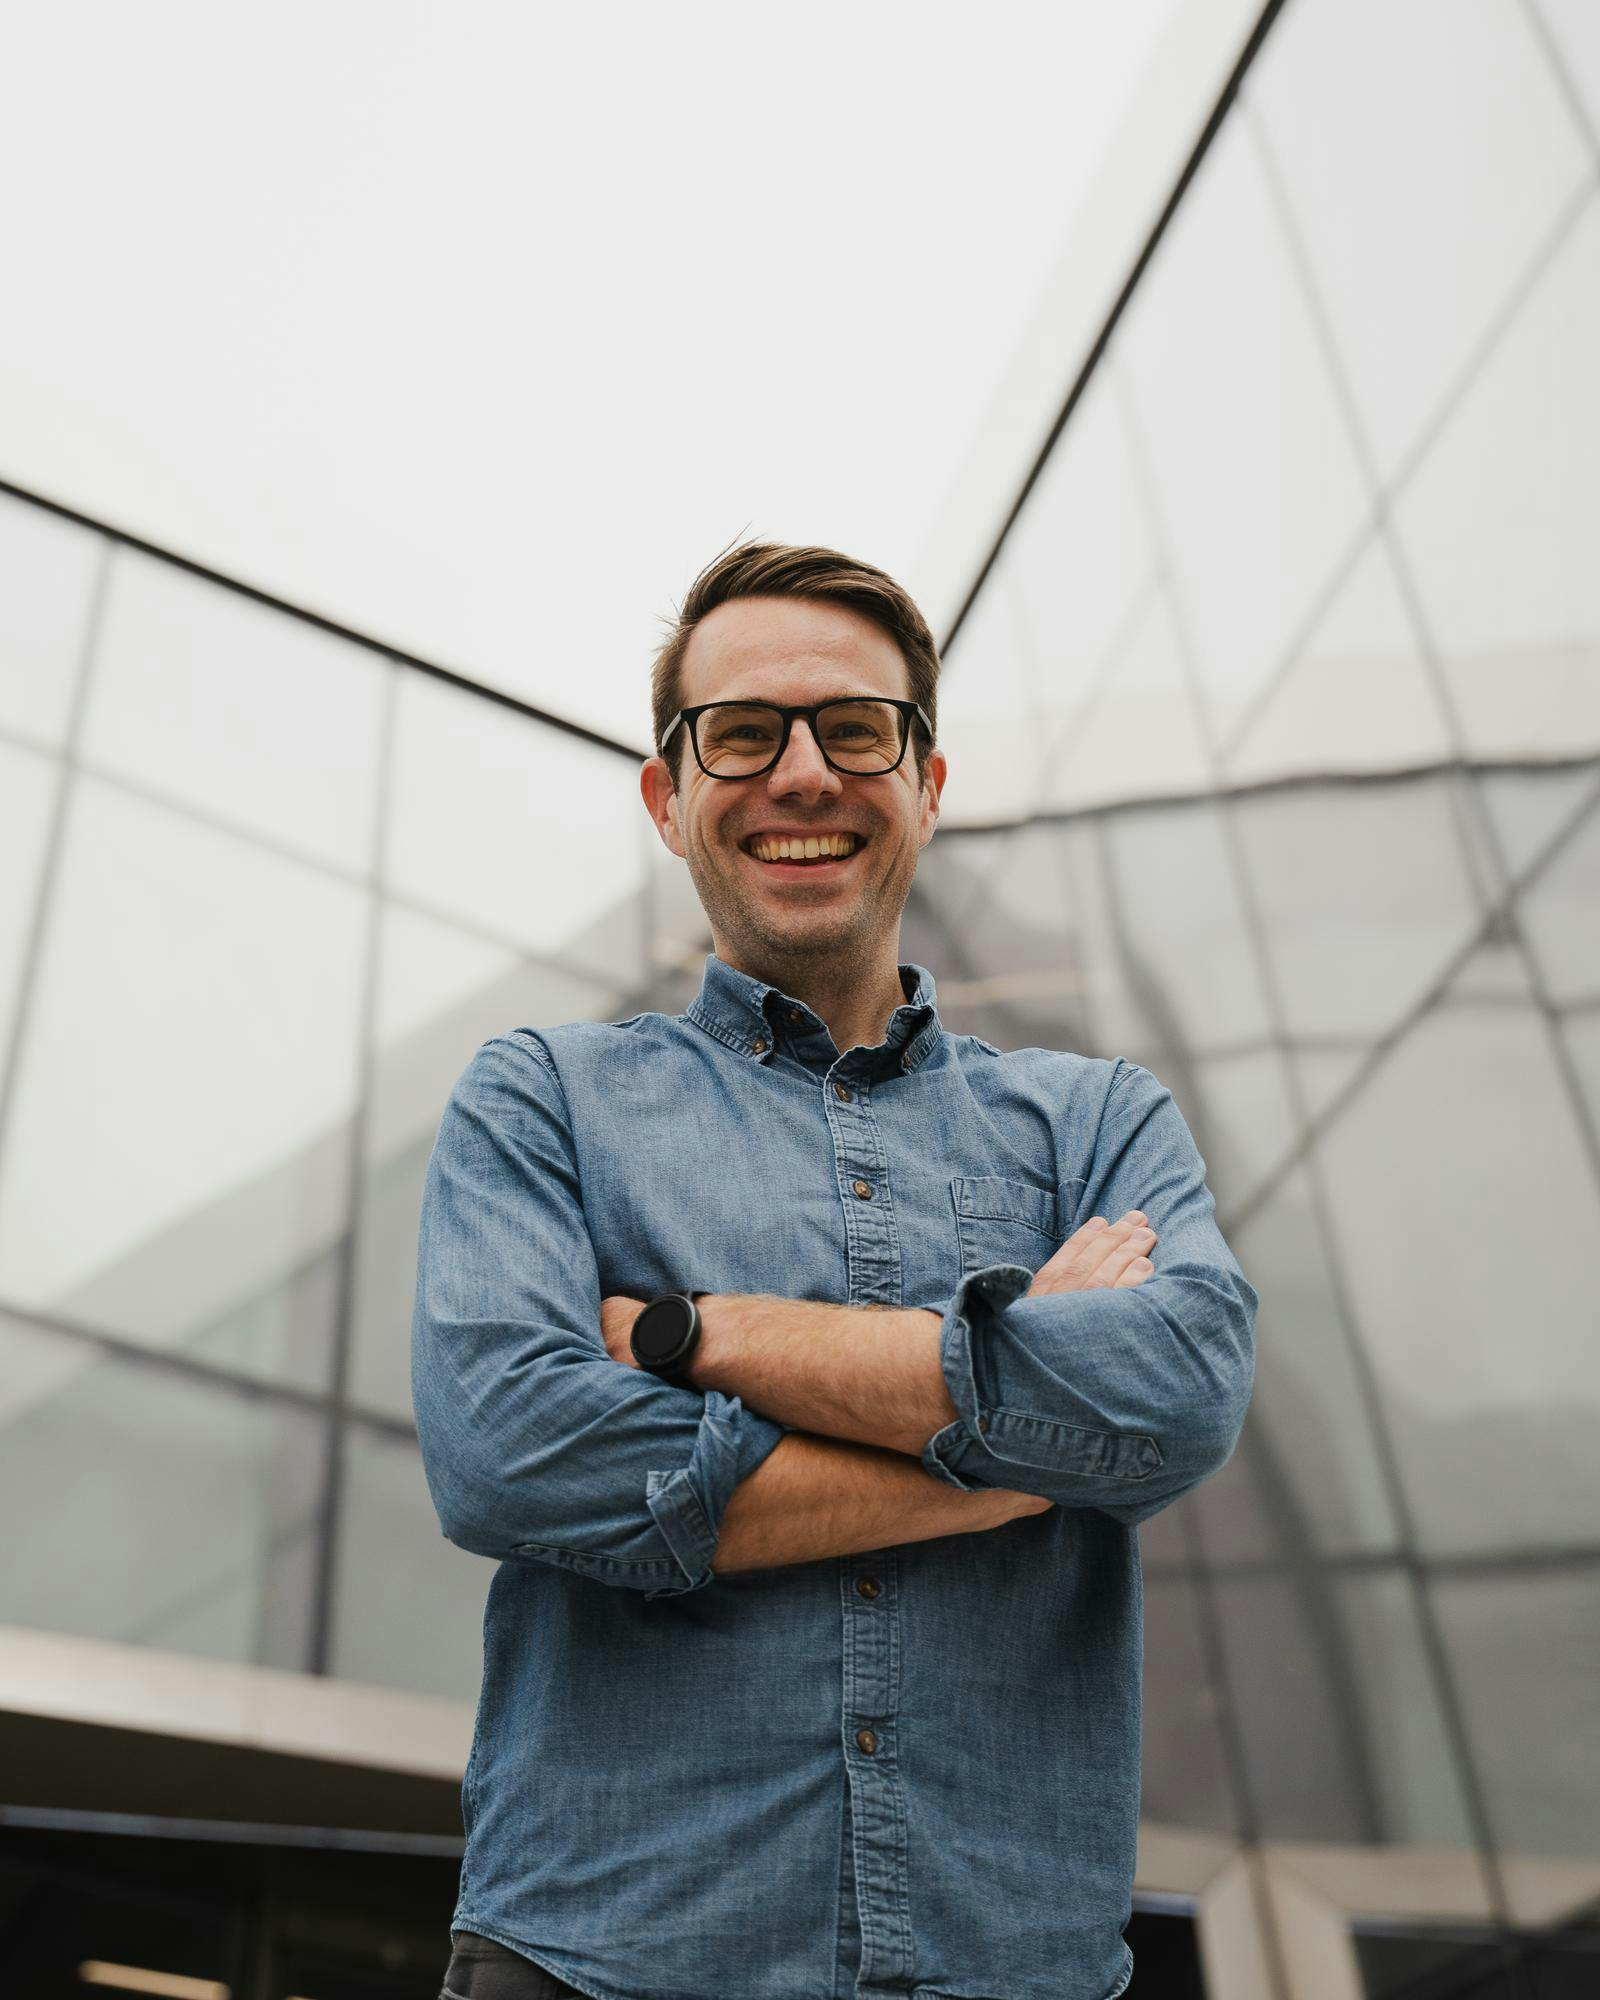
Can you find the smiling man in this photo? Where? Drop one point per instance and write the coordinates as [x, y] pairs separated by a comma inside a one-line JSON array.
[[807, 1369]]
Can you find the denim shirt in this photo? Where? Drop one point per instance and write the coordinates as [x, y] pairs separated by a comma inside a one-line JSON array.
[[913, 1771]]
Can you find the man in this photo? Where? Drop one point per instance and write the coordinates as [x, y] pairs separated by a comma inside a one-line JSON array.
[[808, 1368]]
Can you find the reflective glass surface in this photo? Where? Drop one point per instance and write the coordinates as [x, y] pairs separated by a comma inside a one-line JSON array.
[[1274, 740], [1304, 601]]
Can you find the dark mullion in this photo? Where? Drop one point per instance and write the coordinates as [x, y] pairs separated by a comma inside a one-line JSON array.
[[321, 1630], [323, 624]]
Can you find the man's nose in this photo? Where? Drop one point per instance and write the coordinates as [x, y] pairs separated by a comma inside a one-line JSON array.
[[802, 767]]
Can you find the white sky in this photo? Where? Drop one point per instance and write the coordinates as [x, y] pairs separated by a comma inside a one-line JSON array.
[[482, 327]]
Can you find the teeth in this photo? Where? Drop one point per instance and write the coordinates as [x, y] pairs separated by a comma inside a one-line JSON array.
[[811, 849]]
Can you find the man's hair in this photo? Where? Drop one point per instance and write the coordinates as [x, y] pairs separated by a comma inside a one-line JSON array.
[[776, 569]]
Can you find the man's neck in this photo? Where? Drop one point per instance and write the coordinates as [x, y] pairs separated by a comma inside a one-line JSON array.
[[856, 1005]]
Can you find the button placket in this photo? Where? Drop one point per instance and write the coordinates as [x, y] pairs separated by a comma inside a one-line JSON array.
[[870, 1723], [872, 1248]]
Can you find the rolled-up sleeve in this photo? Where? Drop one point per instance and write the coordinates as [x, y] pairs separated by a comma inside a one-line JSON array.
[[1120, 1398], [536, 1445]]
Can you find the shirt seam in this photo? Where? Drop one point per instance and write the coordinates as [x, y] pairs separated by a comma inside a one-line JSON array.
[[530, 1040]]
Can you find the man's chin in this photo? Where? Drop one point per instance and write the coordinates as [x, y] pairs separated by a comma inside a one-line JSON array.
[[737, 906], [800, 927]]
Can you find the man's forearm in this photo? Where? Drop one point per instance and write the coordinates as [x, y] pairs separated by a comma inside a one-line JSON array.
[[866, 1374], [815, 1497]]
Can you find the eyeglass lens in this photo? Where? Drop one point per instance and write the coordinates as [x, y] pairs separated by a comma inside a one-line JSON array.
[[739, 738]]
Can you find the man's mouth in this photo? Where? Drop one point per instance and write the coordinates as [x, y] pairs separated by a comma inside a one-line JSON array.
[[814, 854]]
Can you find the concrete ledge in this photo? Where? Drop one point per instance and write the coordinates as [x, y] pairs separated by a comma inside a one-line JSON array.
[[97, 1681]]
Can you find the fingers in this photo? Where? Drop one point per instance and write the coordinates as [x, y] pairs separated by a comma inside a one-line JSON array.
[[1116, 1253], [1101, 1254]]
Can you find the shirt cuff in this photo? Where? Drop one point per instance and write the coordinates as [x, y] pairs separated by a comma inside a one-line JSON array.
[[960, 1443], [688, 1504]]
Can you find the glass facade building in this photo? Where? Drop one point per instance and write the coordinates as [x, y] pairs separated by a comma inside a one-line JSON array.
[[1274, 726]]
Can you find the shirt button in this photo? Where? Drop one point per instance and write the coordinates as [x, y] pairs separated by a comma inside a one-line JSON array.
[[905, 1062], [841, 1093], [794, 1013], [759, 1045], [866, 1740], [869, 1586], [983, 1423], [863, 1188]]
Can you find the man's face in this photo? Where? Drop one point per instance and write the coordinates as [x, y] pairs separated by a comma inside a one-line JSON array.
[[790, 650]]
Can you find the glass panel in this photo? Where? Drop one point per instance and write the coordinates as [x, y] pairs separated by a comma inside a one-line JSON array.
[[1181, 927], [1185, 1774], [1016, 955], [1237, 1107], [241, 711], [988, 710], [1581, 1038], [393, 1560], [1306, 1476], [178, 1156], [1363, 895], [520, 828], [1420, 207], [1079, 552], [1560, 914], [1483, 1353], [27, 797], [1124, 1011], [1250, 458], [1139, 734], [48, 568], [1356, 697], [950, 889], [1528, 808], [1522, 1647], [1340, 1722], [1500, 523], [179, 1515], [1575, 29], [441, 993]]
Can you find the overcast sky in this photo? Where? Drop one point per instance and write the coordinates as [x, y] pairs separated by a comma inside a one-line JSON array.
[[483, 327]]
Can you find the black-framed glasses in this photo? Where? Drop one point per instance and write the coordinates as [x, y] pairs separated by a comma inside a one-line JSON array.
[[858, 735]]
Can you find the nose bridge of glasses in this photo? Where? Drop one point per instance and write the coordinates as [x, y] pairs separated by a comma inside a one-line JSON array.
[[808, 723], [798, 724]]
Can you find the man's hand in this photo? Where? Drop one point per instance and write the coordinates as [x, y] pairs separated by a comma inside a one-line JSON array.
[[617, 1315], [1101, 1254]]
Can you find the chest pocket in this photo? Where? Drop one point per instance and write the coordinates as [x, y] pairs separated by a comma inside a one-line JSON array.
[[1001, 1221]]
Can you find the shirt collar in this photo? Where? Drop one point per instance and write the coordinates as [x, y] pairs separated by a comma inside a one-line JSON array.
[[745, 1012]]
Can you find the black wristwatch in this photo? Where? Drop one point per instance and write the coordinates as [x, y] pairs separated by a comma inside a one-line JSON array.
[[666, 1334]]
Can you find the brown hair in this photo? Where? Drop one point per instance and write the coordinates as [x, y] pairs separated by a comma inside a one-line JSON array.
[[775, 569]]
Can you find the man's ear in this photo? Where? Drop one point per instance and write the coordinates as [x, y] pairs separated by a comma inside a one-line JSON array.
[[933, 778], [661, 800]]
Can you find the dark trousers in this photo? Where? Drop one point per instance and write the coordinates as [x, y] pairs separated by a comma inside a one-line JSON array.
[[480, 1969]]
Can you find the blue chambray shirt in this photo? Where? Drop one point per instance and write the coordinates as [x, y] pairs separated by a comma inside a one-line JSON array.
[[908, 1772]]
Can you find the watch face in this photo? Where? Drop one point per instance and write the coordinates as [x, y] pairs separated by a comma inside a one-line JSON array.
[[659, 1330]]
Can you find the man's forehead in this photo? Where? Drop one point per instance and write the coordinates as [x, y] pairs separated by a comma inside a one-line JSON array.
[[770, 645]]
